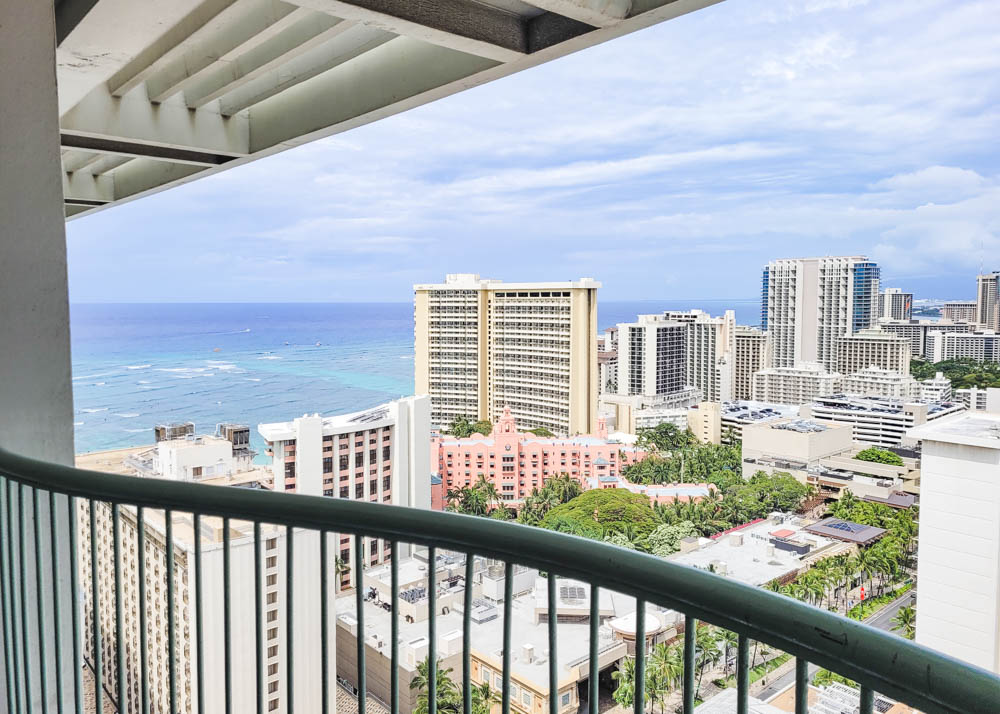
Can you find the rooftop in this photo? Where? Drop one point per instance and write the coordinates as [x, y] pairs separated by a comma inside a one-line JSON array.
[[971, 428], [749, 554], [751, 411], [847, 531]]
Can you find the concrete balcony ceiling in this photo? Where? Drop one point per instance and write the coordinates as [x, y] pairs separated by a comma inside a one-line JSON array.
[[155, 94]]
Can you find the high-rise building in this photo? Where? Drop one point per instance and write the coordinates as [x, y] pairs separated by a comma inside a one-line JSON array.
[[916, 332], [958, 611], [988, 300], [380, 454], [483, 345], [980, 346], [807, 303], [873, 348], [959, 311], [652, 356], [794, 385], [894, 304], [710, 359], [750, 356], [203, 459]]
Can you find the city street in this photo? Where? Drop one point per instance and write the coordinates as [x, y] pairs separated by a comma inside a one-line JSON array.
[[881, 619]]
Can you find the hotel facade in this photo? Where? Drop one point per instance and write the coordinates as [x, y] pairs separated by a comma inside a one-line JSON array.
[[483, 345], [517, 462], [377, 455]]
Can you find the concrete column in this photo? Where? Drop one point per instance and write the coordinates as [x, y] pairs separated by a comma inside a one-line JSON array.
[[36, 400]]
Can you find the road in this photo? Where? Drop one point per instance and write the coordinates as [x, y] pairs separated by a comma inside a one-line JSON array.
[[881, 620]]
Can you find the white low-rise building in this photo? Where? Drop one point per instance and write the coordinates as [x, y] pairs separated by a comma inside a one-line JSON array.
[[878, 420], [981, 346], [794, 385]]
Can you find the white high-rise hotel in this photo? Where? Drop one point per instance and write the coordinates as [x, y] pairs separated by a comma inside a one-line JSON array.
[[808, 303], [483, 345]]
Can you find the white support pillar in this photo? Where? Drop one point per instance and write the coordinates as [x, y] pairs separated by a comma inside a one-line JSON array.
[[36, 399]]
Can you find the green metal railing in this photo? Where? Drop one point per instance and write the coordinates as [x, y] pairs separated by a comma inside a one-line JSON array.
[[35, 640]]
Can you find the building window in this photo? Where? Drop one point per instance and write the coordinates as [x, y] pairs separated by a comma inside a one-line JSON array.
[[359, 459], [343, 491], [290, 469], [564, 699], [272, 561], [526, 699], [372, 455], [272, 687], [373, 485], [344, 462], [196, 471], [385, 452], [374, 547], [386, 481], [272, 705], [272, 580], [359, 490]]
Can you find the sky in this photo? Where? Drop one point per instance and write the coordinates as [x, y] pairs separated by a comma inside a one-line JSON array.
[[669, 164]]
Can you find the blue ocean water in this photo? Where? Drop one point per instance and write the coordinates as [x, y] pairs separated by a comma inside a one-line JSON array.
[[137, 365]]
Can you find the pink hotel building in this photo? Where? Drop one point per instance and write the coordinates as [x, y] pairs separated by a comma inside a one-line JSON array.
[[517, 462]]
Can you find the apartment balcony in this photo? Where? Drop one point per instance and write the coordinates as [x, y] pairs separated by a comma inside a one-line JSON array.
[[107, 101], [46, 599]]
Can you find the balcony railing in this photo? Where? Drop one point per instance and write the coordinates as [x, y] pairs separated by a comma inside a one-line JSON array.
[[35, 628]]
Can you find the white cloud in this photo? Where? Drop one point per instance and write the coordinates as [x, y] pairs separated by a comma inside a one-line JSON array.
[[679, 158]]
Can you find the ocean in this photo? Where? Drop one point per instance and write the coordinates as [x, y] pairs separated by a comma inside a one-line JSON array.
[[138, 365]]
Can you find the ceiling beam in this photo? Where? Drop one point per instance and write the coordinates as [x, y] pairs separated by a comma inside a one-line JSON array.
[[460, 25], [137, 150], [596, 13], [76, 160], [250, 26], [108, 163], [86, 189], [386, 80], [311, 31], [131, 118], [353, 43], [206, 18]]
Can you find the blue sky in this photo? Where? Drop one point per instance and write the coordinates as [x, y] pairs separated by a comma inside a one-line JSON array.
[[672, 163]]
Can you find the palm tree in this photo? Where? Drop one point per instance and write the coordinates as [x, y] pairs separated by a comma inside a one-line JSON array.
[[447, 692], [483, 698], [707, 653], [730, 640], [906, 620], [624, 676]]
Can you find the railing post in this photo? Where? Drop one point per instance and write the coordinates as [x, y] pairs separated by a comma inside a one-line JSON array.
[[690, 636]]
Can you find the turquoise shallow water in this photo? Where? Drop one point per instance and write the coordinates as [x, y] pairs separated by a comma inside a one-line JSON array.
[[136, 365]]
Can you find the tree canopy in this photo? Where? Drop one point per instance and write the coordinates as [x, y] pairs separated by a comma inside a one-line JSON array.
[[462, 428], [602, 511], [717, 464], [663, 438], [879, 456], [963, 372]]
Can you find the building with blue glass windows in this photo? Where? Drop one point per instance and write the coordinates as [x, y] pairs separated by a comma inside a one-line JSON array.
[[807, 304]]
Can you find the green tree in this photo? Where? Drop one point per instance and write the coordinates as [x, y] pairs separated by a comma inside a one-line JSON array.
[[460, 428], [879, 456], [906, 621], [598, 512], [483, 426], [541, 431], [665, 539], [448, 699], [664, 438]]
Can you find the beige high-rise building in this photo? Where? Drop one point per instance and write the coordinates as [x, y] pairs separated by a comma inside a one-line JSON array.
[[988, 300], [483, 345], [959, 311], [750, 356], [873, 348], [894, 304], [807, 303]]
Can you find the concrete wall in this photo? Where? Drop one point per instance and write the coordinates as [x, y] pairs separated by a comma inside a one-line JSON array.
[[765, 440], [958, 609]]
